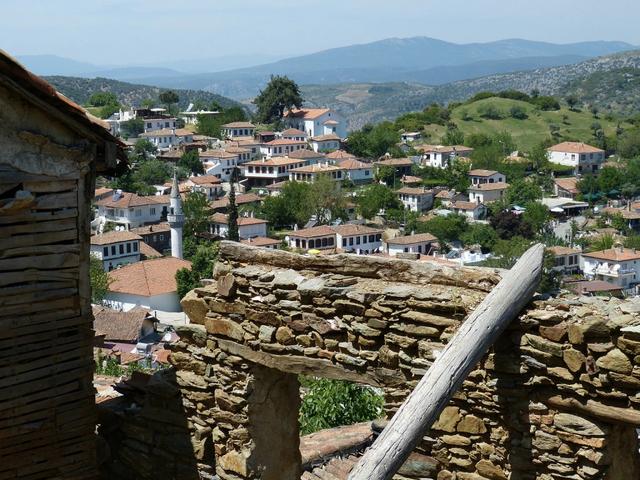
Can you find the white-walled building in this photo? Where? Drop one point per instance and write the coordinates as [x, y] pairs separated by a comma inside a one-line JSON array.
[[238, 130], [358, 239], [219, 163], [619, 266], [566, 259], [155, 124], [149, 284], [294, 134], [487, 192], [131, 210], [440, 156], [582, 157], [356, 171], [408, 137], [422, 243], [116, 248], [248, 227], [263, 242], [317, 121], [210, 185], [566, 187], [416, 199], [244, 153], [191, 117], [167, 138], [282, 147], [478, 176], [311, 173], [325, 143], [471, 210], [272, 170]]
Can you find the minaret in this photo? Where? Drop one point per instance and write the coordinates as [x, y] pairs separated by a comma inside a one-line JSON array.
[[175, 218]]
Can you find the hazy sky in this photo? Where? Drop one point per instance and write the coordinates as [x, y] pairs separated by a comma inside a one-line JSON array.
[[145, 31]]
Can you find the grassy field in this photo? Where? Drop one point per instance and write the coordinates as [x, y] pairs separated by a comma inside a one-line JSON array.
[[575, 126]]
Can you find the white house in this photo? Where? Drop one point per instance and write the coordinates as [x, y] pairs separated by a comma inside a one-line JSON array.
[[618, 265], [272, 170], [478, 176], [116, 248], [155, 124], [210, 185], [325, 143], [149, 284], [566, 187], [191, 117], [131, 210], [582, 157], [408, 137], [422, 243], [356, 171], [237, 130], [294, 134], [317, 121], [167, 138], [281, 147], [311, 173], [244, 154], [219, 163], [439, 156], [248, 227], [471, 210], [566, 259], [264, 242], [358, 239], [487, 192], [416, 199]]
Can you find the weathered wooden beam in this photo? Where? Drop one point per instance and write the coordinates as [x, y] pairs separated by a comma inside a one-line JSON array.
[[476, 335], [388, 269]]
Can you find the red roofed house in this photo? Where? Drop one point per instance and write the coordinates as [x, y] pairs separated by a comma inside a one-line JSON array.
[[325, 143], [238, 130], [487, 192], [210, 185], [317, 121], [282, 147], [416, 199], [116, 248], [150, 284], [566, 187], [583, 157], [478, 176], [618, 265], [358, 239], [419, 243], [566, 259], [471, 210], [131, 210]]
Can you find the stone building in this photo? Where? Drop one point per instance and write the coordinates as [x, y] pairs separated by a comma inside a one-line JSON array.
[[50, 152]]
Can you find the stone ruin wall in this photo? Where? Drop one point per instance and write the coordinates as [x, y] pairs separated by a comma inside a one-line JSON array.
[[557, 397]]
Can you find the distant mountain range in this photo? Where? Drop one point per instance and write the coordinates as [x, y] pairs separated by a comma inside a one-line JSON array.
[[611, 82], [418, 60]]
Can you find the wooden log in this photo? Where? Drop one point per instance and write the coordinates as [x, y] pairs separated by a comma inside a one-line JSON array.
[[608, 413], [38, 216], [388, 269], [476, 335]]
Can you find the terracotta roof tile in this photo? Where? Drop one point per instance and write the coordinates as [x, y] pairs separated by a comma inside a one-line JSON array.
[[306, 113], [239, 125], [339, 154], [240, 199], [128, 200], [349, 230], [414, 191], [242, 221], [615, 254], [568, 184], [484, 187], [114, 237], [411, 239], [261, 241], [119, 326], [147, 278], [480, 172], [205, 180], [574, 147], [319, 231]]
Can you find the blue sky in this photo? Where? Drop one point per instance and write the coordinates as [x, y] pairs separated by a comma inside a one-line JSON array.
[[149, 31]]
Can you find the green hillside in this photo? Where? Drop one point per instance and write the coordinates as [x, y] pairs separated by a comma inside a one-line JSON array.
[[526, 132]]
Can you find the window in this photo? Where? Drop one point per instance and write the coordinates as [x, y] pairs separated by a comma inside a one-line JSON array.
[[297, 243], [153, 211], [406, 249], [149, 125], [419, 248], [372, 238], [358, 240], [105, 251], [161, 237], [330, 241], [113, 249], [350, 241], [312, 243], [138, 212], [324, 242], [135, 246], [121, 248], [128, 248], [166, 124]]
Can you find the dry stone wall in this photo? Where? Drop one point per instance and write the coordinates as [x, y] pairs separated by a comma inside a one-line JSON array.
[[557, 397]]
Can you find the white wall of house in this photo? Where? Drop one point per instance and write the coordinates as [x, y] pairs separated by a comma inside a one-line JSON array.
[[623, 274], [166, 302], [116, 254], [485, 196], [316, 127], [164, 142], [219, 167], [360, 244], [212, 192], [479, 180], [417, 202], [418, 247], [319, 243], [244, 231], [135, 216], [582, 162], [360, 175], [153, 124], [280, 150], [325, 145]]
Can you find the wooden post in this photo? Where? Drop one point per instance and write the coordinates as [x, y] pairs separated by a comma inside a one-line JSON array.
[[476, 335]]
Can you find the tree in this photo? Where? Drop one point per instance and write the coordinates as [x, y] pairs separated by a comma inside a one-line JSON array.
[[232, 217], [196, 213], [292, 206], [453, 136], [169, 98], [508, 225], [386, 174], [572, 101], [132, 128], [333, 403], [191, 162], [101, 99], [373, 141], [480, 234], [375, 197], [521, 192], [201, 267], [518, 112], [447, 229], [629, 143], [99, 280], [537, 216], [327, 200], [210, 125], [490, 112], [280, 94], [152, 172], [602, 242], [144, 148]]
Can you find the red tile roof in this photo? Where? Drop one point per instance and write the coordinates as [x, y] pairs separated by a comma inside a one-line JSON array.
[[242, 221], [411, 239], [114, 237], [574, 147], [319, 231], [568, 184], [239, 125], [205, 180], [349, 230], [119, 326], [147, 278], [261, 241], [480, 172], [240, 199], [306, 113], [128, 200], [615, 254], [483, 187]]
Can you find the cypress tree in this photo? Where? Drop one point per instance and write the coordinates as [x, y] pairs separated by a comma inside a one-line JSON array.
[[232, 219]]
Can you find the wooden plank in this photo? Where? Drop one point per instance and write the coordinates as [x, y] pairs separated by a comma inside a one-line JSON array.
[[48, 383], [37, 228], [38, 216], [41, 250], [35, 287], [391, 270], [12, 278], [50, 186], [449, 370], [38, 307], [52, 317], [36, 239], [55, 201], [37, 295], [41, 262], [37, 341]]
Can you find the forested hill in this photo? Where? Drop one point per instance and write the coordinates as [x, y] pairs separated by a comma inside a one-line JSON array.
[[80, 89]]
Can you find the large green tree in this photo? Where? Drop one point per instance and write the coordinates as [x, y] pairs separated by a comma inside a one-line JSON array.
[[374, 141], [196, 211], [169, 98], [280, 94], [232, 216], [292, 206], [375, 197], [191, 162], [202, 262], [99, 280]]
